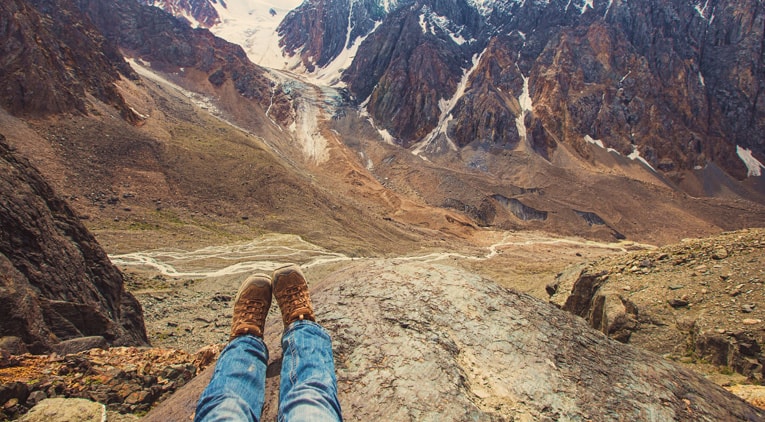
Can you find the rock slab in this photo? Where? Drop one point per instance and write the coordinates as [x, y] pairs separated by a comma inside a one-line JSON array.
[[415, 341]]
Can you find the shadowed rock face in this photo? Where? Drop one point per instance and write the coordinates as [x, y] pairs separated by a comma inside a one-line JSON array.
[[57, 283], [51, 57], [428, 342]]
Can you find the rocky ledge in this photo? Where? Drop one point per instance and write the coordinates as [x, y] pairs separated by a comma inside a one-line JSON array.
[[700, 301], [415, 341]]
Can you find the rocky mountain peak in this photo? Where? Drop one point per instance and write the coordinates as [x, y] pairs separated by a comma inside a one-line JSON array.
[[201, 13], [672, 82]]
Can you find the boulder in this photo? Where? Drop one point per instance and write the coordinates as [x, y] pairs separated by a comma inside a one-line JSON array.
[[80, 344], [415, 341]]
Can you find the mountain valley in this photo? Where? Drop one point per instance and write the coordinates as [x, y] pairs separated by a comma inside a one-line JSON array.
[[454, 166]]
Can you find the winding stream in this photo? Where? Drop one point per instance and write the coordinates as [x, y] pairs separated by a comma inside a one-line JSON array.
[[271, 251]]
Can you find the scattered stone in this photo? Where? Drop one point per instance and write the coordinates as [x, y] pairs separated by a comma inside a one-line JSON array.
[[676, 287], [13, 390], [748, 308], [751, 321], [36, 397], [678, 303], [221, 298], [13, 345], [127, 379], [551, 288], [720, 253]]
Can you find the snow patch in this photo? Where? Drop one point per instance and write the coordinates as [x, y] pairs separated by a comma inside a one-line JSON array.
[[610, 3], [330, 73], [384, 134], [251, 24], [621, 81], [423, 24], [701, 79], [526, 106], [430, 20], [388, 5], [753, 165], [597, 142], [635, 155], [142, 116], [486, 7], [702, 10], [446, 107], [585, 5]]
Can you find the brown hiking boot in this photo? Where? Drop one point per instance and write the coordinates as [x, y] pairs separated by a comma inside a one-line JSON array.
[[251, 306], [291, 293]]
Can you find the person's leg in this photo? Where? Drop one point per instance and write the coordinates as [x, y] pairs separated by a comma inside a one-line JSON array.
[[308, 390], [237, 388]]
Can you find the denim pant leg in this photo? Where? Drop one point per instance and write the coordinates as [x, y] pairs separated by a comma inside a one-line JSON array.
[[308, 390], [236, 391]]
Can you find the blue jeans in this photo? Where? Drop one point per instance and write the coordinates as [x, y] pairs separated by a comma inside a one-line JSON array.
[[308, 390]]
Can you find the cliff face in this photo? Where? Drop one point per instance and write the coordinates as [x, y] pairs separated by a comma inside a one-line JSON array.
[[57, 282], [677, 82]]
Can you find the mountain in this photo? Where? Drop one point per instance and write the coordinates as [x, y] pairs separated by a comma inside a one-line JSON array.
[[674, 82], [58, 285], [582, 118]]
